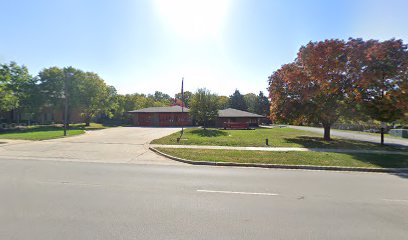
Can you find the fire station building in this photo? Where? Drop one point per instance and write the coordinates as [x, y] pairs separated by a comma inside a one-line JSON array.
[[161, 117]]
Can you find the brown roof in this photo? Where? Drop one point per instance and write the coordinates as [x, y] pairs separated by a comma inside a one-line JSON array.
[[172, 109], [231, 112]]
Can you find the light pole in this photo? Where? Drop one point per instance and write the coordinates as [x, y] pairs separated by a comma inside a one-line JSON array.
[[182, 110], [182, 106], [67, 76]]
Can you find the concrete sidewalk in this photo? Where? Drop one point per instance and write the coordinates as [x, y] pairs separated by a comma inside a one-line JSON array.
[[279, 149]]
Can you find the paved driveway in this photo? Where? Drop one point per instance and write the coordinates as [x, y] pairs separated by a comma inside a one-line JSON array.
[[114, 145]]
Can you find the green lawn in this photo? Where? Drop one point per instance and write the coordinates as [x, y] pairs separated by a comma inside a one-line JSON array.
[[293, 158], [278, 137], [43, 132]]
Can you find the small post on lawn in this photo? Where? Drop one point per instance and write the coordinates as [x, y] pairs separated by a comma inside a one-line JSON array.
[[382, 136], [267, 142], [383, 125]]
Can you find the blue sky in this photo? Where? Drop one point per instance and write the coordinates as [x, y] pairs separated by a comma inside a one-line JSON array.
[[223, 45]]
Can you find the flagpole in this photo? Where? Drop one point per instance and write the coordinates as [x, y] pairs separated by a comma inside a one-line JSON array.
[[182, 105]]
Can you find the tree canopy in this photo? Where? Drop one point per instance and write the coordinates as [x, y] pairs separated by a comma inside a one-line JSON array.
[[16, 86], [204, 107], [251, 101], [187, 98], [381, 72], [237, 101], [223, 102], [262, 105], [86, 91], [332, 77]]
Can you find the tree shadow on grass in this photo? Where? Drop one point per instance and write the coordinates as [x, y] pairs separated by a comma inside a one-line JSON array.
[[374, 159], [89, 128], [317, 142], [49, 128], [384, 161], [33, 129], [209, 132]]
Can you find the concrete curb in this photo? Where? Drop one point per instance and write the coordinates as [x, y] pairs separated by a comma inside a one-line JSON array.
[[304, 167], [280, 149]]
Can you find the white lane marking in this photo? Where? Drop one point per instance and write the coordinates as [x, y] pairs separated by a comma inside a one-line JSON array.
[[242, 193], [395, 200]]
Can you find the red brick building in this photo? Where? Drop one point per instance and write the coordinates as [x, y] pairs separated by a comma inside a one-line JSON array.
[[231, 115], [161, 117], [173, 116]]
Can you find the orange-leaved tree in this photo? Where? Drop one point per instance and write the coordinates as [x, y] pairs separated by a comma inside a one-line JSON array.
[[332, 77], [383, 89], [313, 89]]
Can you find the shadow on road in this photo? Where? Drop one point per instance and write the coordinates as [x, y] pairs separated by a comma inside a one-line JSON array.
[[401, 175]]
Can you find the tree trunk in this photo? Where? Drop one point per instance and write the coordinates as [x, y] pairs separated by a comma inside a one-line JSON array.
[[87, 121], [382, 136], [18, 116], [326, 134]]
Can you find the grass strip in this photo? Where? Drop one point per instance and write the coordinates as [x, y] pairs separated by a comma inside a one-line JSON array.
[[277, 137], [44, 132], [367, 160]]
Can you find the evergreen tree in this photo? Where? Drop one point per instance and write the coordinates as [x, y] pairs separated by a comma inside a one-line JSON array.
[[237, 101]]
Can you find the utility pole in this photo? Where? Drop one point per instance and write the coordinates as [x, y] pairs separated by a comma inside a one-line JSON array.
[[182, 105], [67, 76]]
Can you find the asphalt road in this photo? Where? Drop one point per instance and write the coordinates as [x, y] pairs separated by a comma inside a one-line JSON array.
[[79, 200]]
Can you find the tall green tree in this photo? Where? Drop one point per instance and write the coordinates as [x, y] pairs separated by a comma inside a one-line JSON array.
[[16, 85], [87, 93], [187, 98], [262, 106], [237, 101], [251, 102], [32, 102], [204, 107], [51, 83], [160, 96], [8, 100], [95, 96], [223, 102], [129, 102], [113, 100]]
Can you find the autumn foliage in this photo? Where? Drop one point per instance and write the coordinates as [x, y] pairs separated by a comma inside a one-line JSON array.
[[334, 77]]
